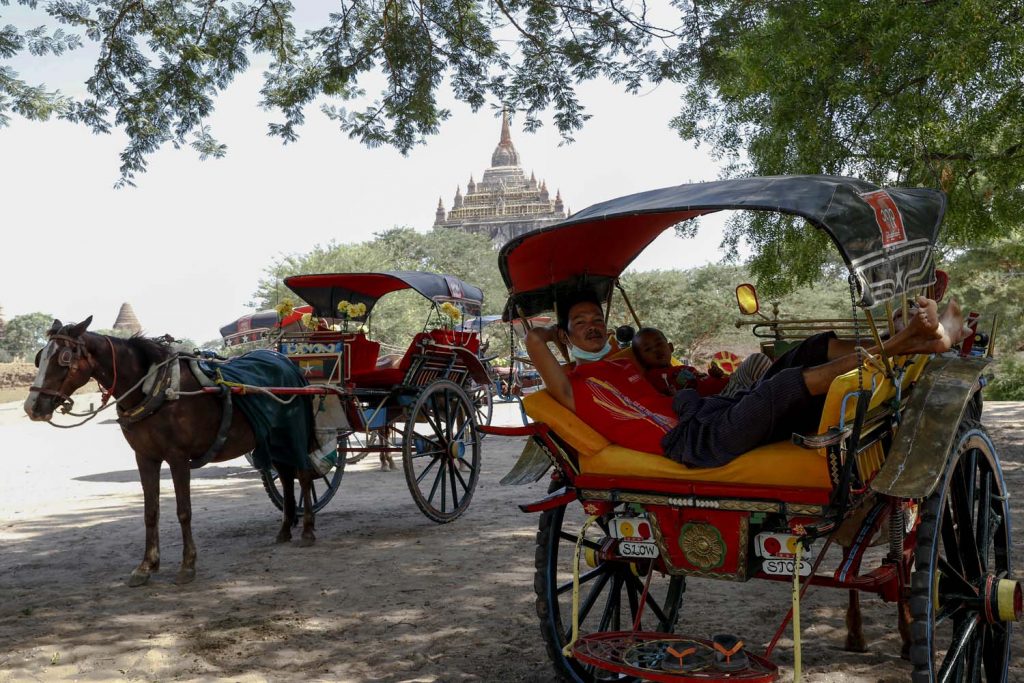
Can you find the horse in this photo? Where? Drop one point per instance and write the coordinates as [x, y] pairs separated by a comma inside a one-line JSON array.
[[180, 432]]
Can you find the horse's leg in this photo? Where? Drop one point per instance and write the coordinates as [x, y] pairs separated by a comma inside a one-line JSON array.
[[181, 474], [854, 620], [306, 484], [903, 620], [149, 475], [286, 476], [855, 625]]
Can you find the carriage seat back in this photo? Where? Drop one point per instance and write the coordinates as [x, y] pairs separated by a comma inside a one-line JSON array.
[[362, 354]]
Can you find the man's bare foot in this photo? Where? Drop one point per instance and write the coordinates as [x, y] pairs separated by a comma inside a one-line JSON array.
[[926, 332], [952, 319]]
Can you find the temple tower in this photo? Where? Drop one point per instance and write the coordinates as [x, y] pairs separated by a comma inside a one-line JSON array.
[[505, 203], [126, 320]]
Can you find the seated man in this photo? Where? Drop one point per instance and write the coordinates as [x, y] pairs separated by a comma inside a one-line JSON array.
[[653, 352], [613, 397]]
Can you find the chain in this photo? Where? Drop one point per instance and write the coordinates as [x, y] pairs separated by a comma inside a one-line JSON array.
[[856, 332]]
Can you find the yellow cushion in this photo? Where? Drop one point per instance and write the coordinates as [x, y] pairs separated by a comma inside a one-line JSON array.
[[777, 464], [543, 407]]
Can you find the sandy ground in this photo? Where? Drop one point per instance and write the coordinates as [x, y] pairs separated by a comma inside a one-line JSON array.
[[385, 595]]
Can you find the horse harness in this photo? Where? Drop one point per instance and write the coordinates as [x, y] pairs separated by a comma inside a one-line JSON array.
[[161, 383], [67, 357]]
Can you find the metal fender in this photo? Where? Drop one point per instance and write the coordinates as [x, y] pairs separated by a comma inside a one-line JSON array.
[[928, 426]]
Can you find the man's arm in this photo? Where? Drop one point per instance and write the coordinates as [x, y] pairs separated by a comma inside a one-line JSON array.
[[555, 380]]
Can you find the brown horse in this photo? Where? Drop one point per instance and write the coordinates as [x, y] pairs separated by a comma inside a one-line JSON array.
[[178, 432]]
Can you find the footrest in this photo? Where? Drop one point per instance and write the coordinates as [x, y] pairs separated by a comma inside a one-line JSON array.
[[653, 657]]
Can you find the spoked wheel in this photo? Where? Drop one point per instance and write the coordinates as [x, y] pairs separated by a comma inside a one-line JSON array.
[[441, 451], [962, 554], [609, 592], [324, 487], [482, 396]]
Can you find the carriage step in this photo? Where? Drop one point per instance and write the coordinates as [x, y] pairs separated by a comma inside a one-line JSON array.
[[667, 658]]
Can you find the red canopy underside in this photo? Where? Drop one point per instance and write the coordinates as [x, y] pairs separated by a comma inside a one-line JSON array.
[[583, 249], [371, 285]]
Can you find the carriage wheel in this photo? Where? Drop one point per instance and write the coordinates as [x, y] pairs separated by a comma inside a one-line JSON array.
[[441, 451], [963, 545], [324, 487], [609, 592], [482, 396]]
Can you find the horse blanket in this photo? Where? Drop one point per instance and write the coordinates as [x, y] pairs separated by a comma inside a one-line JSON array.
[[284, 432]]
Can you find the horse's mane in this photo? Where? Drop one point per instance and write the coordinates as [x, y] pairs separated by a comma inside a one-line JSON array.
[[153, 349]]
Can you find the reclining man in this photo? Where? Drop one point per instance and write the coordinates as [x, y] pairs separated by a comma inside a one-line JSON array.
[[614, 398]]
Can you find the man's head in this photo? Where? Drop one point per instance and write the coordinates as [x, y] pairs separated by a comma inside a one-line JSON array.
[[652, 349], [581, 320]]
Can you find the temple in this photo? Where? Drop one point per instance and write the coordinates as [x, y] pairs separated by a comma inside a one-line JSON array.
[[505, 203]]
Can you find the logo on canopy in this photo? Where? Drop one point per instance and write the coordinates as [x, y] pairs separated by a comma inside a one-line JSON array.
[[887, 216], [454, 286]]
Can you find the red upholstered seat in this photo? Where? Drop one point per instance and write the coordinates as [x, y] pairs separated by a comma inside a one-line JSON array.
[[373, 377], [362, 354]]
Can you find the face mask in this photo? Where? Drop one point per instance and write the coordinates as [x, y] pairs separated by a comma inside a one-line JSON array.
[[588, 356]]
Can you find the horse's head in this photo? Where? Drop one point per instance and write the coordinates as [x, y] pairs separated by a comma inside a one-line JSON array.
[[64, 366]]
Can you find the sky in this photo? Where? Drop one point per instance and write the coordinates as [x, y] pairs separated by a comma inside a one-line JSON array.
[[187, 246]]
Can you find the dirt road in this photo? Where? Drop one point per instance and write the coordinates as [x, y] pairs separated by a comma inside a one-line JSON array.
[[385, 595]]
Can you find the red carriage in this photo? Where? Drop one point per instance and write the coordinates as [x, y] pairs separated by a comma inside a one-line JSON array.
[[900, 459], [417, 405]]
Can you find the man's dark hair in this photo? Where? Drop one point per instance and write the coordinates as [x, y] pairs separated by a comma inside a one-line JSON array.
[[650, 330], [570, 299]]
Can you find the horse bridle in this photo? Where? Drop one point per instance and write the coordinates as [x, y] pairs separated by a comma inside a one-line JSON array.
[[67, 357]]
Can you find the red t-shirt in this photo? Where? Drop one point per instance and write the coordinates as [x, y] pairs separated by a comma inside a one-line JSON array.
[[614, 398]]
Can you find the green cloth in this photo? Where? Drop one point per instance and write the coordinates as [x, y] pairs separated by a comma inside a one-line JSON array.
[[284, 432]]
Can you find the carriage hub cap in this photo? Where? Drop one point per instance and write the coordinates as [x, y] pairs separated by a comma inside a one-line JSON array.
[[456, 449], [1003, 600]]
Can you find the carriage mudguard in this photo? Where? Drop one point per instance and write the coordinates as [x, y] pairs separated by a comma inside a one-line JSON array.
[[918, 455]]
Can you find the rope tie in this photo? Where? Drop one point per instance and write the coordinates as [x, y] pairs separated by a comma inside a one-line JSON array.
[[567, 650]]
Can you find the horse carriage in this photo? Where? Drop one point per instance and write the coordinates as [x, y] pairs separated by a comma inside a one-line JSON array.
[[417, 405], [900, 462]]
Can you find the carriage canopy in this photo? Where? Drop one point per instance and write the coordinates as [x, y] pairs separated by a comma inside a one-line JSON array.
[[325, 291], [885, 236]]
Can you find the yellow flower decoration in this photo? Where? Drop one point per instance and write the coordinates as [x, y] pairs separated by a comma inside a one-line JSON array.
[[309, 321], [343, 307], [452, 311], [285, 308], [356, 310]]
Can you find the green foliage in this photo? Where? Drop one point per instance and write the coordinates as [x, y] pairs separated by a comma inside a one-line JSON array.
[[913, 93], [162, 62], [26, 334], [988, 280], [1008, 383]]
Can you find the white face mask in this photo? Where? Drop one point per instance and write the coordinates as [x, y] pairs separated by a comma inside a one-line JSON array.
[[589, 356]]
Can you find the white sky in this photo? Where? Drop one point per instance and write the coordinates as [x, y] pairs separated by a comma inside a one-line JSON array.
[[187, 245]]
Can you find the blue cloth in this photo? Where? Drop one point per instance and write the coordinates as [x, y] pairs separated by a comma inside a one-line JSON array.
[[284, 433]]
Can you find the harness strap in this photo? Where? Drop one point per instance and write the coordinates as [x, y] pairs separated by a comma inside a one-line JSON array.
[[222, 432], [161, 378]]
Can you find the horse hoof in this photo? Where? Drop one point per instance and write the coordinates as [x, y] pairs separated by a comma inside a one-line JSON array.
[[306, 541], [185, 576], [283, 538], [855, 645], [138, 578]]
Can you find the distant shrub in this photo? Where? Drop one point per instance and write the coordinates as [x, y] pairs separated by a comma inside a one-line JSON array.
[[1008, 384]]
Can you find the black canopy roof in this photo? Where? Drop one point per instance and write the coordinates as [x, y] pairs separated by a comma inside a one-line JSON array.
[[885, 236], [325, 291]]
